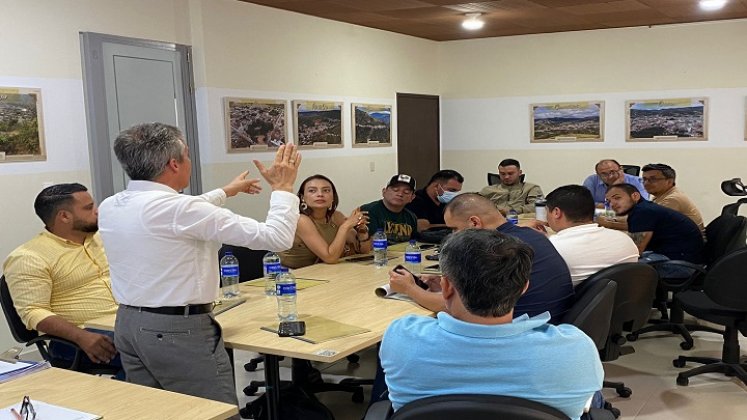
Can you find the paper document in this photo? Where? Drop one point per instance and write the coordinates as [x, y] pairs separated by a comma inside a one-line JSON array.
[[46, 411], [10, 371], [385, 291]]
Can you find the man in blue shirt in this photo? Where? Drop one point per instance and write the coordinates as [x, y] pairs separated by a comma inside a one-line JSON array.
[[476, 346], [550, 288], [608, 173]]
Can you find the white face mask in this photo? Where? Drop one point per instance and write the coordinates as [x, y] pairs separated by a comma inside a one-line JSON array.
[[447, 196]]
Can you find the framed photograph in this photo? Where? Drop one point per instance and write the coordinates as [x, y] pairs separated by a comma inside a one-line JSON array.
[[21, 125], [667, 119], [254, 124], [567, 121], [318, 124], [372, 125]]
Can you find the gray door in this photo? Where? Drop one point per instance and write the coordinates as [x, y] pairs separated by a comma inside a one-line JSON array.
[[130, 81], [418, 136]]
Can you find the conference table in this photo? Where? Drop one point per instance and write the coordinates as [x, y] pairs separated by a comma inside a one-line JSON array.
[[342, 292], [108, 398]]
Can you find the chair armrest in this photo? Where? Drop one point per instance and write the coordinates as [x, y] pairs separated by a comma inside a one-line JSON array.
[[677, 284], [54, 339], [380, 410]]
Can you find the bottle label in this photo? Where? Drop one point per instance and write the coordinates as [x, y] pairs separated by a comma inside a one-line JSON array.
[[285, 289], [229, 270], [272, 268], [413, 257], [379, 244]]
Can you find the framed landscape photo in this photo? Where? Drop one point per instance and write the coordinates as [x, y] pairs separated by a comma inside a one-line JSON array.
[[254, 124], [667, 119], [372, 125], [21, 125], [567, 121], [318, 123]]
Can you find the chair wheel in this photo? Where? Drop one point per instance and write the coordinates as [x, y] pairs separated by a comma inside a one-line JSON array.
[[625, 392], [353, 358], [250, 366], [250, 390], [682, 381], [632, 337], [678, 363], [686, 345], [358, 396]]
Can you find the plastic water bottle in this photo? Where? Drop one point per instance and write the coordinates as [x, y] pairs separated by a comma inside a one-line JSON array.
[[379, 248], [540, 209], [229, 274], [285, 289], [271, 268], [513, 217], [413, 257], [608, 212]]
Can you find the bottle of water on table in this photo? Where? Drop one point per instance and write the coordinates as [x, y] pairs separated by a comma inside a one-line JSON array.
[[540, 209], [513, 217], [229, 274], [379, 248], [271, 268], [285, 289], [413, 257]]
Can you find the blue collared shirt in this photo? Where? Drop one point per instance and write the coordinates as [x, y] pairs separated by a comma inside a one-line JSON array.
[[598, 188]]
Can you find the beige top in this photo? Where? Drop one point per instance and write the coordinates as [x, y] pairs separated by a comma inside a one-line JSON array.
[[300, 255], [519, 197], [678, 201]]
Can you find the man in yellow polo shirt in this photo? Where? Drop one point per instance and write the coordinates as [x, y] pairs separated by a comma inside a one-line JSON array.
[[60, 278]]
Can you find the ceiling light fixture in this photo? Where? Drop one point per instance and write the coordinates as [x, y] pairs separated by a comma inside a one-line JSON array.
[[473, 22], [712, 4]]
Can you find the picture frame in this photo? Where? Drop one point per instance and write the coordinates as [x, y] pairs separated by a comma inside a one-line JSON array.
[[318, 124], [581, 121], [21, 125], [254, 125], [674, 119], [371, 125]]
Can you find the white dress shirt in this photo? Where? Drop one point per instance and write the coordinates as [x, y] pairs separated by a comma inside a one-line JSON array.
[[589, 248], [162, 246]]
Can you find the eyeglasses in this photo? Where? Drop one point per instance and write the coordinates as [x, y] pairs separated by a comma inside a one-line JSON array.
[[27, 411], [652, 179], [609, 173]]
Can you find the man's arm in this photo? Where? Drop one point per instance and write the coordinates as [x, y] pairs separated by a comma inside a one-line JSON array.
[[617, 223], [528, 205], [99, 348], [641, 239], [405, 283]]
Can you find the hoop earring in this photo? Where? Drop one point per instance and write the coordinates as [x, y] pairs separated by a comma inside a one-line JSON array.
[[330, 208], [304, 206]]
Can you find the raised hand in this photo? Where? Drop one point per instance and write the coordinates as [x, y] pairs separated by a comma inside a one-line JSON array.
[[242, 184], [282, 174]]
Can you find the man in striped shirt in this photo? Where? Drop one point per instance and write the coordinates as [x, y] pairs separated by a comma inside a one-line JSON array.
[[60, 278]]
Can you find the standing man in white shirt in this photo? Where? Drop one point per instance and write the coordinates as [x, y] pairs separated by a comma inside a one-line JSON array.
[[162, 250], [585, 246]]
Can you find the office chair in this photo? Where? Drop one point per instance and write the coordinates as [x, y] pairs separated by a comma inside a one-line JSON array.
[[725, 234], [495, 179], [636, 285], [631, 169], [733, 187], [723, 301], [473, 407], [31, 337]]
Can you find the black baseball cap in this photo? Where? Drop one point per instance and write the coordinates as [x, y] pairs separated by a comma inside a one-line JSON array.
[[402, 179]]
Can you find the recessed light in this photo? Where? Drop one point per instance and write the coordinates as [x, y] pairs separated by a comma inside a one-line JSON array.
[[712, 4], [473, 21]]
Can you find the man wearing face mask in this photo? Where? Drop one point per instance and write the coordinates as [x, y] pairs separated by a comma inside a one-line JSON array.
[[429, 202]]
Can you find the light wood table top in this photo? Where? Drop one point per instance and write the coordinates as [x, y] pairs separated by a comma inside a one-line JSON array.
[[347, 296], [110, 398]]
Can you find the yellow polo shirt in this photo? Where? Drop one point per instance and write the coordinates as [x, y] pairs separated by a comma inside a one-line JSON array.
[[49, 275]]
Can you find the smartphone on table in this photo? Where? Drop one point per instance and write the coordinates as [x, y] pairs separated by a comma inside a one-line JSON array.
[[291, 328], [400, 268]]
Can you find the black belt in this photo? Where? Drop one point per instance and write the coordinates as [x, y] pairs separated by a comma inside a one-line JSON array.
[[176, 310]]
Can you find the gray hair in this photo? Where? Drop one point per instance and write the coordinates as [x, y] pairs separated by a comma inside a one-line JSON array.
[[487, 268], [144, 150]]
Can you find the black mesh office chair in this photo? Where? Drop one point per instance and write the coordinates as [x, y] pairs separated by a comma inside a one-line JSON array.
[[723, 301], [495, 179], [31, 337], [733, 187], [634, 170], [636, 285]]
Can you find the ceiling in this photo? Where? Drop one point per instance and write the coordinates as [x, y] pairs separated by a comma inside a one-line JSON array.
[[440, 20]]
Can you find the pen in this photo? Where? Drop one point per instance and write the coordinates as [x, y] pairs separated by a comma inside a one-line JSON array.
[[15, 414]]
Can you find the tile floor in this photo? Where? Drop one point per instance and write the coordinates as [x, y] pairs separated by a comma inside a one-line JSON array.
[[648, 372]]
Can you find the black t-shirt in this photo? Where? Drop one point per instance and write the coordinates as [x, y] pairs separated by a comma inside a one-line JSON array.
[[673, 234], [425, 208], [550, 287]]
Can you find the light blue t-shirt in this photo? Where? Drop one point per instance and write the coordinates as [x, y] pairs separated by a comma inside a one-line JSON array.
[[598, 188], [555, 365]]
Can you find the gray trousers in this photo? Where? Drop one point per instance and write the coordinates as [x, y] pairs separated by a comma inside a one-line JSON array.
[[175, 353]]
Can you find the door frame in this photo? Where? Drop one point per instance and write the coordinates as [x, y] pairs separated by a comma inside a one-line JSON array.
[[99, 143]]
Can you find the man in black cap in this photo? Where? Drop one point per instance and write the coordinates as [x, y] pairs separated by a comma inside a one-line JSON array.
[[390, 214]]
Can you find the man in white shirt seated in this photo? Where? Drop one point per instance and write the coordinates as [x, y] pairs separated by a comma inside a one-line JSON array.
[[476, 346], [585, 246], [162, 248]]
